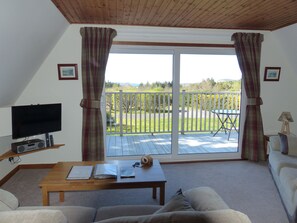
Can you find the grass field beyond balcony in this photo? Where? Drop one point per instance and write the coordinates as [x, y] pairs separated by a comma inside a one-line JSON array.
[[134, 126]]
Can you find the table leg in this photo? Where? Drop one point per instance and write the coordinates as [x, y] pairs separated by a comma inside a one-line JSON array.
[[162, 194], [222, 125], [154, 192], [45, 197], [62, 197]]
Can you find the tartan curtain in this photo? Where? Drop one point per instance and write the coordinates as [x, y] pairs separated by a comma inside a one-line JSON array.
[[248, 51], [96, 43]]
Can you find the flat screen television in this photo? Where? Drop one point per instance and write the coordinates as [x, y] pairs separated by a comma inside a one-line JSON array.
[[30, 120]]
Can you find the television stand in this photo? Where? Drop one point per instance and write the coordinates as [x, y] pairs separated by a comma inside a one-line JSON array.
[[9, 154]]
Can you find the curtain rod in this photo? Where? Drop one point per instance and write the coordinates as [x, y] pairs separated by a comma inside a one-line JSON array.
[[172, 44]]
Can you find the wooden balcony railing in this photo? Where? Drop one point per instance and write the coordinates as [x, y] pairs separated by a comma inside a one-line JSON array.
[[151, 112]]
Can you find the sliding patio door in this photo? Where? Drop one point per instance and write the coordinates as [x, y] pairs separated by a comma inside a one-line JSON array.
[[138, 98], [173, 103]]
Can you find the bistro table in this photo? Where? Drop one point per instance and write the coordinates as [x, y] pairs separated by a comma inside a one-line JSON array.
[[226, 121]]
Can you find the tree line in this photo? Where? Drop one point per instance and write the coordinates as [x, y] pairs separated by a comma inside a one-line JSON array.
[[207, 85]]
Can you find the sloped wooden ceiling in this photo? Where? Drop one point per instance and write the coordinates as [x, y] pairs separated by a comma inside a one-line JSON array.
[[218, 14]]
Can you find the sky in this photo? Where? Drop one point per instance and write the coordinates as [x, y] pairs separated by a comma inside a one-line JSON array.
[[143, 68]]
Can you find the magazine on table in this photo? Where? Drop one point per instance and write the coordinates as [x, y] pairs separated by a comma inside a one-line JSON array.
[[127, 172], [105, 171], [80, 173]]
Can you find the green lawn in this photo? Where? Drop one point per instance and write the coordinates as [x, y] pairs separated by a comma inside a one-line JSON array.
[[165, 125]]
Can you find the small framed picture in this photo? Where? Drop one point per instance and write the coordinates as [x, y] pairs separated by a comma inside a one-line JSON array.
[[272, 73], [67, 71]]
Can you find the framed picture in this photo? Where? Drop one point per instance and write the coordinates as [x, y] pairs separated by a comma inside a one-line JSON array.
[[272, 73], [67, 71]]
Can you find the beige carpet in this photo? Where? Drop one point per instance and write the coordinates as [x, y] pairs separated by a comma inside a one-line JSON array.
[[245, 186]]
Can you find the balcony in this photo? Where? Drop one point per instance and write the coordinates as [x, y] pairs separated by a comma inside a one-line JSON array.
[[140, 123]]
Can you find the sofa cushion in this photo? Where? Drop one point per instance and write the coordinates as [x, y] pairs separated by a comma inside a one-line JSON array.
[[222, 216], [74, 214], [127, 210], [288, 178], [8, 201], [277, 160], [288, 144], [177, 203], [32, 216], [205, 199]]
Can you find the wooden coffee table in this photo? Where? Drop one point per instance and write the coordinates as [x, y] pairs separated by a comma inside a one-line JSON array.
[[152, 177]]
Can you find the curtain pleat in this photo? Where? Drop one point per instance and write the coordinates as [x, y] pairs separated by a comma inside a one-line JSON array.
[[248, 51], [96, 43]]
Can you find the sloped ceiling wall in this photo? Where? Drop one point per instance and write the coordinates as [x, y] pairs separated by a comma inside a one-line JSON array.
[[28, 31]]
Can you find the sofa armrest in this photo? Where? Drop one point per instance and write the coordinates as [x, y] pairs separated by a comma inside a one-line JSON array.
[[33, 216]]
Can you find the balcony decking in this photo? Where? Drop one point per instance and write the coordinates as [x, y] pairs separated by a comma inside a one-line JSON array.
[[190, 143]]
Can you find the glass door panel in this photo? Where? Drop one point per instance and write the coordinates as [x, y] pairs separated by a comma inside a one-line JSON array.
[[209, 104], [138, 99]]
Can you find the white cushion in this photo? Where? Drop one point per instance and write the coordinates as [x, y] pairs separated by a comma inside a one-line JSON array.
[[274, 143], [8, 201]]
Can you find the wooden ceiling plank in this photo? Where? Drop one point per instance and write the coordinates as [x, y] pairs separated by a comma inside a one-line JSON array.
[[288, 9], [187, 9], [176, 10], [66, 11], [219, 14], [120, 11], [77, 9], [279, 9], [126, 12], [139, 11], [259, 16], [151, 20], [144, 14], [111, 8], [210, 11], [103, 7], [163, 12], [92, 12], [134, 10], [231, 10], [195, 13]]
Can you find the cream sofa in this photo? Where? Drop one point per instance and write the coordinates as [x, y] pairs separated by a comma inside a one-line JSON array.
[[10, 211], [200, 204], [283, 168]]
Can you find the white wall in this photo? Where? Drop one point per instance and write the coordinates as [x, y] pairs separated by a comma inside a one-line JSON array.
[[5, 140], [280, 50], [29, 30], [46, 88]]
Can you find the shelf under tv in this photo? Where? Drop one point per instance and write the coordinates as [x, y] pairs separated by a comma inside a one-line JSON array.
[[12, 154]]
